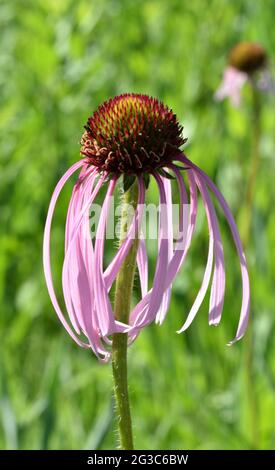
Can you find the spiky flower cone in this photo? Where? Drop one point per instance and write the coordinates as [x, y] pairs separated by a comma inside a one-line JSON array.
[[132, 134]]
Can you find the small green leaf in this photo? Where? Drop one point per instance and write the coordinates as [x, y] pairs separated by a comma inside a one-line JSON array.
[[128, 181], [182, 167], [146, 179], [165, 174]]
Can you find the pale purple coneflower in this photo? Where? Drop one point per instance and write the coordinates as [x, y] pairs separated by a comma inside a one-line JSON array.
[[244, 61], [134, 135]]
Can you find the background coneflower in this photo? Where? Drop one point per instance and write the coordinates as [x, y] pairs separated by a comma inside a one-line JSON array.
[[247, 62]]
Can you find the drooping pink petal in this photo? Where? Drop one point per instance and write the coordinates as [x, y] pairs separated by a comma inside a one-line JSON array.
[[102, 301], [204, 286], [73, 205], [142, 264], [86, 307], [81, 192], [46, 252], [218, 284], [182, 245], [71, 274], [77, 275], [167, 293], [215, 304], [244, 315], [232, 83], [154, 298], [85, 246], [115, 265], [203, 289], [180, 251]]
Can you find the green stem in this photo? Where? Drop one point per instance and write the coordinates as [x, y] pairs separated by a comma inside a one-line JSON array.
[[255, 161], [249, 199], [122, 305]]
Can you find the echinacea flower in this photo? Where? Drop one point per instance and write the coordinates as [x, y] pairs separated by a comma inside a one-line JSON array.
[[245, 59], [133, 136]]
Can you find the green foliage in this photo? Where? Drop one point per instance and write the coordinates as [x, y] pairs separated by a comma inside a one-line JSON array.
[[58, 61]]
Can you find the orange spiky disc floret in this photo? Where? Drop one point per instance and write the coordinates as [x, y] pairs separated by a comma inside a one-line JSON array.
[[132, 134]]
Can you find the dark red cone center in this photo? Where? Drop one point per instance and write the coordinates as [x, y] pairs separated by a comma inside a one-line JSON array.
[[132, 134]]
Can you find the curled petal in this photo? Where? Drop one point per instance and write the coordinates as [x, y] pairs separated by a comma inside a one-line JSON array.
[[46, 252], [102, 302], [217, 292], [244, 315], [70, 276], [203, 289], [77, 276], [218, 285]]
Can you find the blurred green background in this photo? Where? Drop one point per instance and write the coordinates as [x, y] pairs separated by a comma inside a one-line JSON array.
[[58, 61]]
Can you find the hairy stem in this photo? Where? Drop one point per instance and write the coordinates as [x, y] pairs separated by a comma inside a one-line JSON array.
[[249, 199], [255, 161], [122, 305]]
